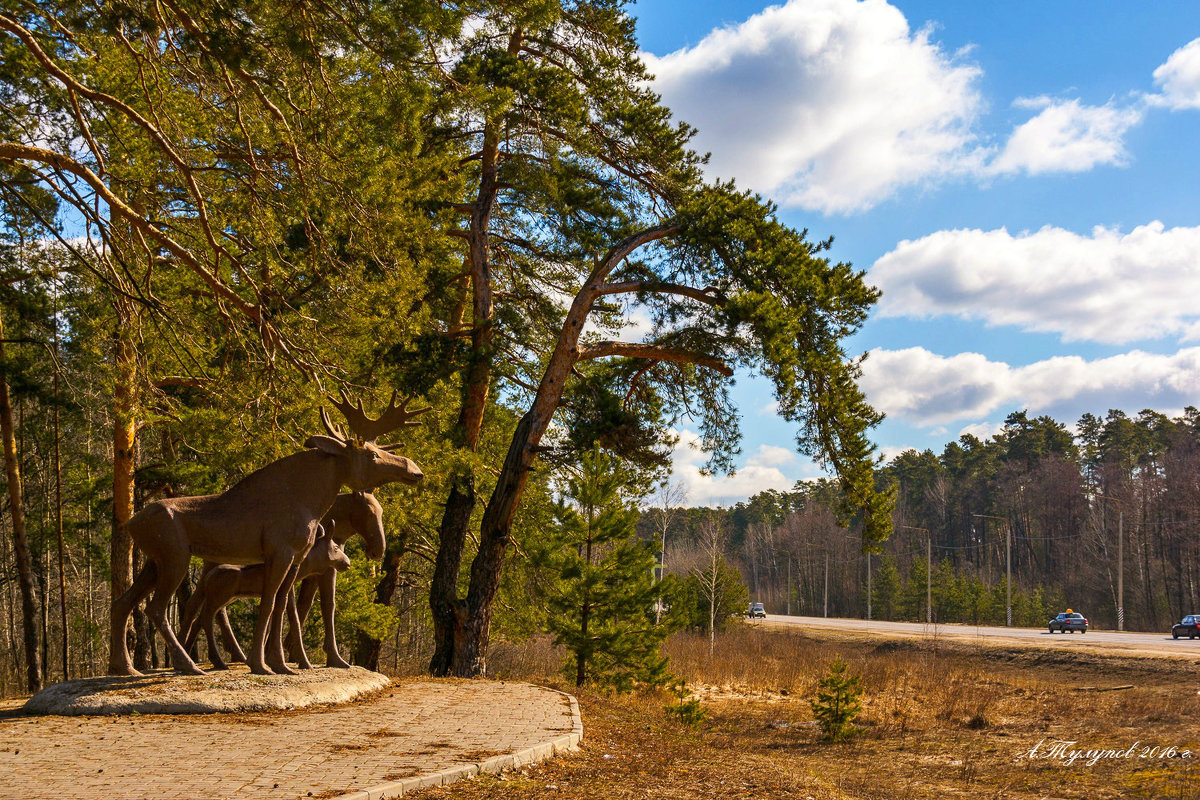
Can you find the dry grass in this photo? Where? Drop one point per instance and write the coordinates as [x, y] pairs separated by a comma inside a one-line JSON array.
[[938, 720]]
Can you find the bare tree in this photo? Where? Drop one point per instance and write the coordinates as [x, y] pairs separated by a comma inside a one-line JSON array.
[[668, 498], [712, 543]]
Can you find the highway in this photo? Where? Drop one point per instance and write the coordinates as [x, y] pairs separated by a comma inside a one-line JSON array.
[[1125, 643]]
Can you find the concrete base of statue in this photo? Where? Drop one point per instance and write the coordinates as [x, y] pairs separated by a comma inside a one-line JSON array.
[[225, 691]]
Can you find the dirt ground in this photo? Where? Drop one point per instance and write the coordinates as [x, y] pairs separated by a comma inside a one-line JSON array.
[[939, 719]]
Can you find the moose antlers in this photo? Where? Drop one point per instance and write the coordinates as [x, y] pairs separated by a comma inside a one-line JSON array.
[[365, 428]]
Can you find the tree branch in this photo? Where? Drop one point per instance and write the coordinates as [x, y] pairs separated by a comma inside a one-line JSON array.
[[619, 251], [706, 295], [654, 351], [11, 151]]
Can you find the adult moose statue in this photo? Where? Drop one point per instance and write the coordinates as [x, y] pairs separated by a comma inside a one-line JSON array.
[[270, 517]]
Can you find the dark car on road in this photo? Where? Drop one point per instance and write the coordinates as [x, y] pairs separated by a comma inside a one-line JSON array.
[[1069, 622], [1189, 626]]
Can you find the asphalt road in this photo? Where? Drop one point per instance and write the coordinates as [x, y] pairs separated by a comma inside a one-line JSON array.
[[1153, 644]]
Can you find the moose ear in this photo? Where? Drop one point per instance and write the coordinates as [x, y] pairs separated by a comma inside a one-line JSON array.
[[326, 444]]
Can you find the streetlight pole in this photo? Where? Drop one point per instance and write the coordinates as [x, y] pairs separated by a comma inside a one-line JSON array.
[[827, 584], [928, 571], [868, 585], [1120, 560], [1007, 565]]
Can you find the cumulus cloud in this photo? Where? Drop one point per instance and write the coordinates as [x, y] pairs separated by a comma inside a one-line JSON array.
[[889, 453], [1107, 287], [760, 472], [927, 389], [1179, 78], [1066, 136], [826, 104], [982, 430]]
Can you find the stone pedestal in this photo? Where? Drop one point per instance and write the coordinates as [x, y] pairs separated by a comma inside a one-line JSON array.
[[231, 691]]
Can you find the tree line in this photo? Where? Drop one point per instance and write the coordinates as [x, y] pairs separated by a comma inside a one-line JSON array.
[[213, 216], [1111, 506]]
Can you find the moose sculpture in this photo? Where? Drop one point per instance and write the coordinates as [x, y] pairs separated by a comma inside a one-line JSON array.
[[225, 582], [352, 514], [356, 513], [270, 517]]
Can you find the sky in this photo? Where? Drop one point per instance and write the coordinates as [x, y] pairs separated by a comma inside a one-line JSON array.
[[1021, 181]]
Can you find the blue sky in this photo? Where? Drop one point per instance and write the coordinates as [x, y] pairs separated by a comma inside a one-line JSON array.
[[1022, 180]]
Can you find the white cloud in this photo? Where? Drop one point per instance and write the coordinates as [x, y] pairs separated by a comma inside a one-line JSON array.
[[760, 472], [826, 104], [928, 389], [1179, 78], [890, 452], [1107, 287], [1066, 136], [769, 455], [982, 430], [771, 409]]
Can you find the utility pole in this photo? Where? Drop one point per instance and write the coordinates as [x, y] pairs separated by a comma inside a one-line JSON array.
[[929, 579], [1008, 572], [1121, 569], [928, 571], [1120, 559], [868, 585], [1007, 565], [789, 593], [827, 584]]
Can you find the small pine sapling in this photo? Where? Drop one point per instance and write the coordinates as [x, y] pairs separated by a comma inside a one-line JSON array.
[[687, 710], [838, 702]]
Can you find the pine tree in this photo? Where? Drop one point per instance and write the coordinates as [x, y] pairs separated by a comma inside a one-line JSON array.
[[601, 604], [837, 702]]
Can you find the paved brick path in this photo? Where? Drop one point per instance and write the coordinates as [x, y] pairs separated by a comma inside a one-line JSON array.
[[411, 729]]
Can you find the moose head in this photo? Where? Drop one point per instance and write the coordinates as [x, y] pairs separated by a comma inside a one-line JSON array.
[[357, 514], [329, 553], [370, 465]]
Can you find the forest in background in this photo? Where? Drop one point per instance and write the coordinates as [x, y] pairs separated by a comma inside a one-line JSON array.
[[1063, 496]]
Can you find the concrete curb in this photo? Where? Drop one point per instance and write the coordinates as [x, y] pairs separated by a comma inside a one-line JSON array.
[[522, 758]]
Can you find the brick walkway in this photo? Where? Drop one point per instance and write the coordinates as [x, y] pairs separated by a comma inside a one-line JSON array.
[[412, 729]]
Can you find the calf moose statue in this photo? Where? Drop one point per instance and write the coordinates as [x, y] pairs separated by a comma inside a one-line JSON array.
[[270, 517], [224, 583], [352, 514], [358, 513]]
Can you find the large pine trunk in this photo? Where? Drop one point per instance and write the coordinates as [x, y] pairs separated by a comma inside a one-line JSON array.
[[443, 591], [471, 634], [124, 446], [12, 469]]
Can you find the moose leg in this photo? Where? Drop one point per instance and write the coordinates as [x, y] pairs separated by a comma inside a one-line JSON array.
[[171, 572], [227, 638], [274, 650], [189, 621], [214, 654], [301, 657], [328, 594], [231, 643], [119, 662], [308, 591], [275, 569]]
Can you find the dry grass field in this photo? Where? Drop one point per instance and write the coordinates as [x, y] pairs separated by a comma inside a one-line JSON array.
[[939, 720]]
